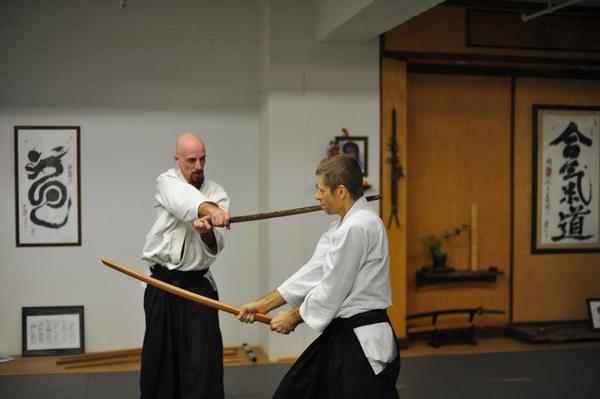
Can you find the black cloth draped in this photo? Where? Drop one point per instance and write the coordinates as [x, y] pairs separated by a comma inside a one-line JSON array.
[[334, 366], [182, 356]]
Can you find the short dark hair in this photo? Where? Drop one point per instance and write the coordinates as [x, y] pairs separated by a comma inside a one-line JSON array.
[[342, 170], [350, 145]]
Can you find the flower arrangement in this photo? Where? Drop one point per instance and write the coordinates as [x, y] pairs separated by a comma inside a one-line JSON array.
[[434, 243], [334, 145], [333, 149]]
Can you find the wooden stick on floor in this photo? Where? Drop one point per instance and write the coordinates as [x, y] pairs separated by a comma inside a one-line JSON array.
[[230, 354], [86, 357], [105, 362]]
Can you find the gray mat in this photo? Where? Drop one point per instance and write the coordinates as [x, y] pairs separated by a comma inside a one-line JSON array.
[[547, 374]]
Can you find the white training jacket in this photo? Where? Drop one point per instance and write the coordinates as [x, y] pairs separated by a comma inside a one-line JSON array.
[[348, 274], [175, 208]]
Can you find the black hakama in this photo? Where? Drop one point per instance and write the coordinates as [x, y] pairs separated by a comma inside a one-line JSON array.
[[334, 366], [182, 355]]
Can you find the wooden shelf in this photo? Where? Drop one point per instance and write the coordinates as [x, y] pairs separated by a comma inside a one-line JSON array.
[[445, 275]]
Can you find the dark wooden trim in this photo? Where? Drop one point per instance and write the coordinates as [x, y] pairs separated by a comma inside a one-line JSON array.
[[534, 171], [423, 55], [511, 251], [497, 71], [548, 322], [481, 331], [432, 275], [381, 145], [469, 41], [518, 6], [471, 312]]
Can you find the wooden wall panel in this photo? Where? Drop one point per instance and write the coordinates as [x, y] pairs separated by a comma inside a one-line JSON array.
[[459, 154], [442, 29], [393, 95], [547, 286]]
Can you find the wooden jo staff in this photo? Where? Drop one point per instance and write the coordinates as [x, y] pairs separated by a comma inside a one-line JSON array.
[[202, 299], [287, 212], [211, 303]]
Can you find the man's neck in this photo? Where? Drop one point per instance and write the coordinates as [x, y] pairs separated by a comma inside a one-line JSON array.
[[346, 207]]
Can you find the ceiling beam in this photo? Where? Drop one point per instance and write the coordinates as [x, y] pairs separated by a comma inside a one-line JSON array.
[[360, 21]]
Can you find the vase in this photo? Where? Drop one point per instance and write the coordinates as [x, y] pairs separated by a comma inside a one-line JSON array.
[[439, 258]]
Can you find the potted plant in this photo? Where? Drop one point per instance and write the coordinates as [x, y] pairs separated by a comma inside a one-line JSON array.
[[434, 244]]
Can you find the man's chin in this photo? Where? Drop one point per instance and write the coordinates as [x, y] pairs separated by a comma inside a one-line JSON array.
[[197, 182]]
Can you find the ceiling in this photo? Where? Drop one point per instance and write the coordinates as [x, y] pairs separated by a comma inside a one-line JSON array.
[[364, 20]]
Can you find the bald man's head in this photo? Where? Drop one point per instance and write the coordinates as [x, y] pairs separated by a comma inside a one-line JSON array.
[[190, 156]]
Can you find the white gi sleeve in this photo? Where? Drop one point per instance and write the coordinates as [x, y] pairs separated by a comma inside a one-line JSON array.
[[219, 197], [346, 254], [181, 199]]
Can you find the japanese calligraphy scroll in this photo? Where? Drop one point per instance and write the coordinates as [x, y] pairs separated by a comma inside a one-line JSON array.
[[47, 185], [566, 179]]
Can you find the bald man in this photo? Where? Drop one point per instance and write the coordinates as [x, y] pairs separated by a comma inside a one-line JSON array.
[[182, 356]]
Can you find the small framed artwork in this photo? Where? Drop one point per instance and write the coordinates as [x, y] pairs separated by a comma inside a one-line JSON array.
[[52, 330], [566, 179], [357, 147], [593, 306], [47, 191]]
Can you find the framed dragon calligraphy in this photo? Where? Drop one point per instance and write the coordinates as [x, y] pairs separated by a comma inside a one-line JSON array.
[[566, 179], [47, 186]]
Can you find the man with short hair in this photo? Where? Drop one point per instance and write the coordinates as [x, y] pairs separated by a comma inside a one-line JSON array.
[[343, 292], [182, 356]]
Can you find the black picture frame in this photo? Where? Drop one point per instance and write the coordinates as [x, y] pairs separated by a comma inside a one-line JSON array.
[[47, 186], [555, 224], [593, 308], [360, 150], [52, 330]]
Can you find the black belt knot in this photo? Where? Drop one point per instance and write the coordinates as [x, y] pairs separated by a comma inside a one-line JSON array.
[[177, 278]]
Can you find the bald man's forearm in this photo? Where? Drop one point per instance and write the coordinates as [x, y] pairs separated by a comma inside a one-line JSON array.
[[218, 216]]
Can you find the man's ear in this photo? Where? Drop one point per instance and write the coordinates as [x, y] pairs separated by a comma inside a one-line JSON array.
[[342, 191]]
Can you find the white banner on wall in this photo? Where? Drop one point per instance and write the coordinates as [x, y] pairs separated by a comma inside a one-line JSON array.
[[566, 179]]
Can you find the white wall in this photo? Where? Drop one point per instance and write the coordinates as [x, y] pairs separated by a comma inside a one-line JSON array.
[[133, 80], [310, 92], [247, 75]]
